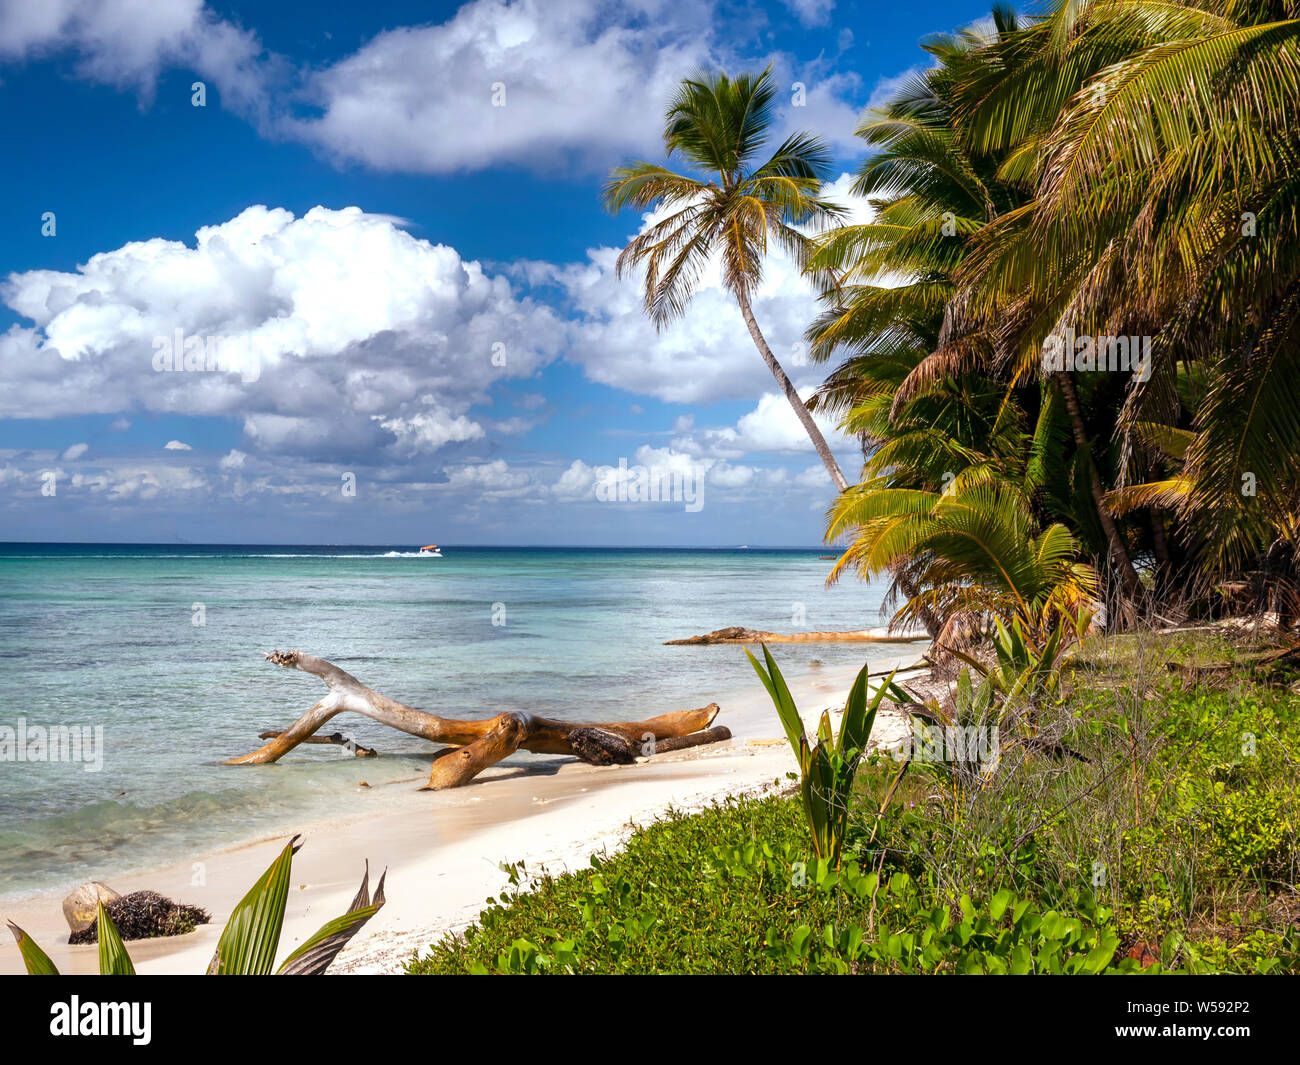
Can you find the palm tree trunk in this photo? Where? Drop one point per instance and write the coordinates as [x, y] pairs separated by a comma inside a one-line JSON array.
[[1118, 555], [928, 617], [805, 417], [1160, 544], [787, 386]]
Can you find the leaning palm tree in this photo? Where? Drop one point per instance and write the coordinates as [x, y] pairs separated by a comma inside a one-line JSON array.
[[729, 210]]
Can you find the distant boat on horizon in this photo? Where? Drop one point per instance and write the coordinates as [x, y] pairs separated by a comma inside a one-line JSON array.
[[431, 551]]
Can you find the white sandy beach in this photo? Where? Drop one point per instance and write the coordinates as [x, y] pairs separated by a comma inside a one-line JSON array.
[[443, 849]]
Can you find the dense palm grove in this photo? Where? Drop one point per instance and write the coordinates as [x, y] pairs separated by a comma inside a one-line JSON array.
[[1067, 339], [1114, 169]]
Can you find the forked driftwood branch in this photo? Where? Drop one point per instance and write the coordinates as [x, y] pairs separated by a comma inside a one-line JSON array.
[[336, 738], [475, 745]]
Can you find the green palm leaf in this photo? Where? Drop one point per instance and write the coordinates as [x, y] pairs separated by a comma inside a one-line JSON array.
[[784, 703], [248, 942], [318, 951], [113, 958], [36, 960]]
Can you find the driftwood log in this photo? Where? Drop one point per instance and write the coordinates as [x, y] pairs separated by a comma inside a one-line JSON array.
[[740, 634], [1282, 658], [475, 745]]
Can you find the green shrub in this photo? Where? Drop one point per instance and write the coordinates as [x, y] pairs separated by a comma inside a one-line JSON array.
[[827, 769], [677, 901], [672, 901]]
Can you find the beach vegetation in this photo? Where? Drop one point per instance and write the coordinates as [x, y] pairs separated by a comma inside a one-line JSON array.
[[250, 938], [1107, 171], [1143, 825], [827, 768]]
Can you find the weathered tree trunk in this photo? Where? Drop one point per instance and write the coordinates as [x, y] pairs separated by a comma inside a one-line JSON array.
[[336, 738], [696, 739], [740, 634], [1118, 553], [475, 745]]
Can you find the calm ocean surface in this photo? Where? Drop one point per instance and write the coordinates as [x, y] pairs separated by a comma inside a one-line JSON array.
[[105, 635]]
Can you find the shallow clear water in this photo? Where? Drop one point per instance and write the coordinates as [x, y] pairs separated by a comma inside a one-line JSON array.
[[105, 636]]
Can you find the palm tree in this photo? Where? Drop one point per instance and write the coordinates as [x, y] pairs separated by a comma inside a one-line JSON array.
[[1164, 199], [1096, 167], [731, 210], [918, 385], [975, 551]]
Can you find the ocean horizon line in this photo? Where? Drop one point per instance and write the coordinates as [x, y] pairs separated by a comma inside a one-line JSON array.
[[400, 543]]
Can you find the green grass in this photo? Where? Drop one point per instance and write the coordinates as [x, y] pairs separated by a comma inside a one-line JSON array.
[[662, 904]]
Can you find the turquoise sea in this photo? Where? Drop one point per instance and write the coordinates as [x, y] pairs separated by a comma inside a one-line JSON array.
[[106, 635]]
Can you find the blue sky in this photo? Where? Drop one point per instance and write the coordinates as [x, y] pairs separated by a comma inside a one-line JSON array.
[[429, 340]]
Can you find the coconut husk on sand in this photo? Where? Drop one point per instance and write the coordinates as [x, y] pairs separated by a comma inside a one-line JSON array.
[[145, 915]]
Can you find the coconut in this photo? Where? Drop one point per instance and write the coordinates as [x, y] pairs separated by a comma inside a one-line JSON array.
[[80, 907]]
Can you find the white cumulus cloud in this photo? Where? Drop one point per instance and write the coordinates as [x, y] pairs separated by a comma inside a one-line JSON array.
[[499, 82], [356, 337], [127, 43], [502, 82]]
